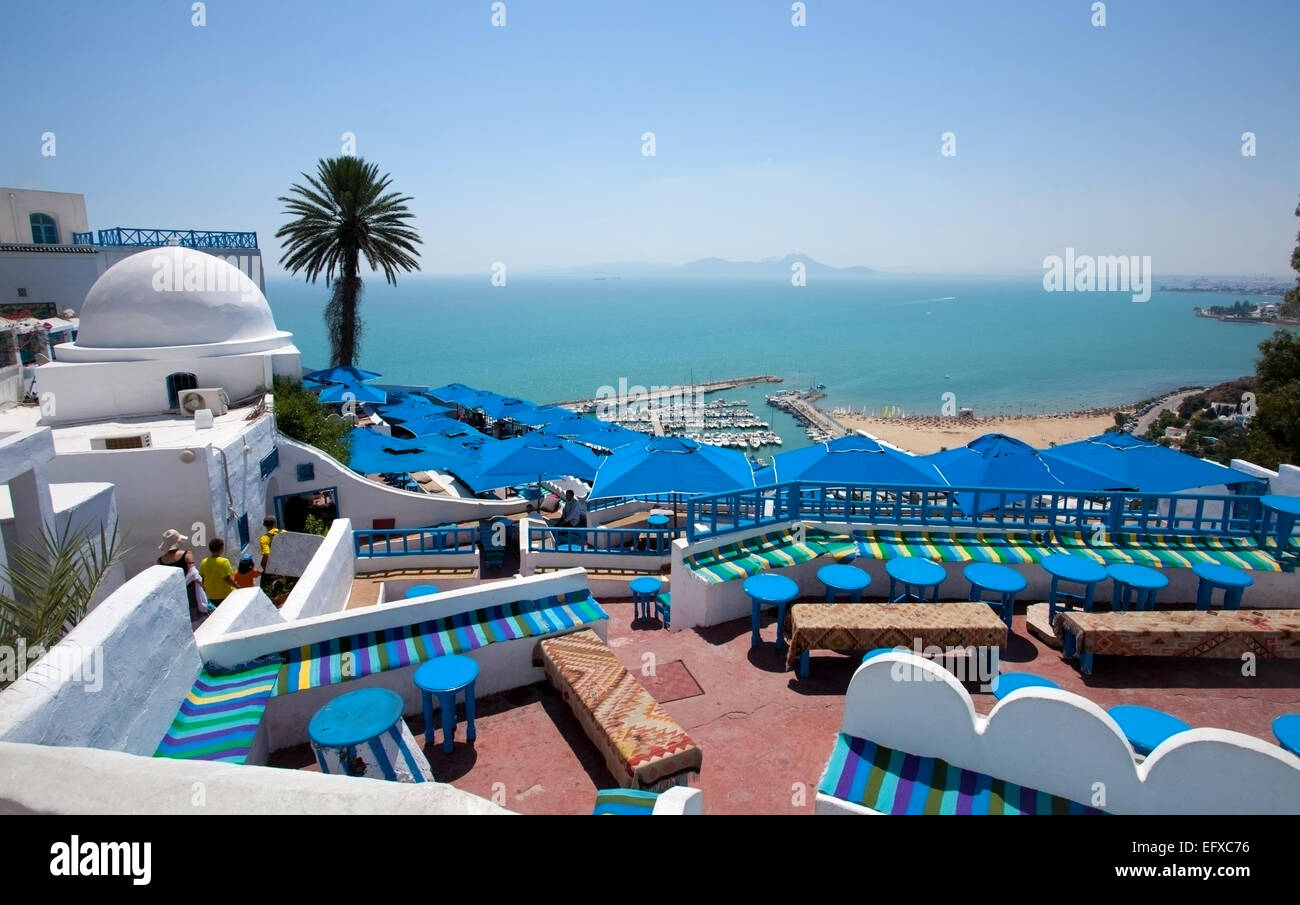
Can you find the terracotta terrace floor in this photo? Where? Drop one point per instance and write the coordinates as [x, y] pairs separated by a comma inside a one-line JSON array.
[[764, 732]]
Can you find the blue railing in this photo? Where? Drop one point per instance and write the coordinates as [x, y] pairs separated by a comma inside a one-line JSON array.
[[622, 541], [413, 541], [975, 508], [187, 238], [83, 238]]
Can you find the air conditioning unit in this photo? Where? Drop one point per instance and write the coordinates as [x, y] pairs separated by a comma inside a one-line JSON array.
[[213, 398], [122, 441]]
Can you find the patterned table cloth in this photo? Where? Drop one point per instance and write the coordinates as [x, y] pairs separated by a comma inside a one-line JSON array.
[[1217, 634], [643, 746], [865, 626]]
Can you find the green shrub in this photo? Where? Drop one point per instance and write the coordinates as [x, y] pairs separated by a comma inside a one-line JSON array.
[[300, 415]]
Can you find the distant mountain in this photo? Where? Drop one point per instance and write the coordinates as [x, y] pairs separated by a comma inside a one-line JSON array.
[[768, 267], [777, 267]]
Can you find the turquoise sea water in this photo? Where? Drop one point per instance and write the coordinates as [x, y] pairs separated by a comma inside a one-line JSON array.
[[999, 345]]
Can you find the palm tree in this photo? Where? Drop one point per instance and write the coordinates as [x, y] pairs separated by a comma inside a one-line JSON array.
[[341, 215], [47, 586]]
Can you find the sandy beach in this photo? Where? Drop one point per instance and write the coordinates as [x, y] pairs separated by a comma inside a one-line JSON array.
[[924, 435]]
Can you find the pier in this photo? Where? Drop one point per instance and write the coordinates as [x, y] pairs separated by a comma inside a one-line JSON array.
[[801, 404], [664, 392]]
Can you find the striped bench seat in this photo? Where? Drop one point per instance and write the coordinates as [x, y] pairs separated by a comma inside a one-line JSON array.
[[1167, 551], [219, 717], [893, 782], [354, 656], [952, 546], [774, 550], [642, 744]]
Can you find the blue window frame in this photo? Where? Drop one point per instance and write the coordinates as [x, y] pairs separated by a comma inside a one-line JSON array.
[[244, 534], [306, 472], [271, 462], [44, 230]]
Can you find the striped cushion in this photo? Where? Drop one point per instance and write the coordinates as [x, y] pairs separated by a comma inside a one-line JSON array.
[[344, 659], [775, 550], [625, 801], [219, 717], [892, 782], [951, 546], [1167, 551]]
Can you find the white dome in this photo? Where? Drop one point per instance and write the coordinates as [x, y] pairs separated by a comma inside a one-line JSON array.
[[170, 296]]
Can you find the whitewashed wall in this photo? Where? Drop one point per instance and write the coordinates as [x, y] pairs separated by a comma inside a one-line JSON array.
[[137, 647], [326, 583], [1063, 744]]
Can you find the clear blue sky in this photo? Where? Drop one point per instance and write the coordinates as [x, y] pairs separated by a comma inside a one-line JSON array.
[[522, 144]]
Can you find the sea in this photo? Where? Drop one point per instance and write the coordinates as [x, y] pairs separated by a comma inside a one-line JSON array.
[[883, 344]]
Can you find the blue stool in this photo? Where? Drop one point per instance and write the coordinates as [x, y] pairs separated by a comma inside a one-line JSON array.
[[875, 653], [657, 522], [769, 590], [1076, 570], [444, 676], [843, 579], [1215, 577], [1001, 580], [644, 590], [1133, 579], [421, 590], [1145, 727], [1008, 682], [914, 572], [1287, 730]]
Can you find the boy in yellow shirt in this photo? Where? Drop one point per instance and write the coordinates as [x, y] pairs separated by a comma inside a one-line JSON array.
[[217, 573]]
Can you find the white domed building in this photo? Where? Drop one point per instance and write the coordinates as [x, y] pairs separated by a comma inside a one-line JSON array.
[[159, 322]]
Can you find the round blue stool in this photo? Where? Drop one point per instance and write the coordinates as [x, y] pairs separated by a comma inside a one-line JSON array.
[[1145, 727], [998, 579], [875, 653], [1076, 570], [914, 572], [843, 579], [657, 522], [1287, 730], [1214, 577], [768, 589], [644, 590], [1131, 579], [1008, 682], [420, 590], [444, 676]]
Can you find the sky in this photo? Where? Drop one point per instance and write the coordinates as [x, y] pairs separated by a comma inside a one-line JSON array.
[[522, 144]]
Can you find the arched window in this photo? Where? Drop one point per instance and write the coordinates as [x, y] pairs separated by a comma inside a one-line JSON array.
[[44, 230]]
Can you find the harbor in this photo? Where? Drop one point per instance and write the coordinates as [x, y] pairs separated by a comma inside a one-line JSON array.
[[801, 405]]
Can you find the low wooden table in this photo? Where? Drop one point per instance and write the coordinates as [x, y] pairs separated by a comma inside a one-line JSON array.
[[859, 626], [1215, 634]]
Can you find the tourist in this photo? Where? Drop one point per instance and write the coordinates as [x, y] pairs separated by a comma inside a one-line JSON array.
[[575, 511], [268, 535], [217, 572], [175, 555], [246, 575]]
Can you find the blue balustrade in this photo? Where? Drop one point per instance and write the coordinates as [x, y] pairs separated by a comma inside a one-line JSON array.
[[413, 541], [187, 238], [622, 541], [976, 508]]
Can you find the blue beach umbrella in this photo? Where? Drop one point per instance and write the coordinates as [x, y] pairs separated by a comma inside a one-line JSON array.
[[409, 407], [595, 432], [353, 392], [1143, 464], [376, 453], [999, 461], [532, 456], [672, 465], [341, 374], [853, 460]]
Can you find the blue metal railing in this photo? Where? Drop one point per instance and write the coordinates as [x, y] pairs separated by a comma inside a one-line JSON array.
[[83, 238], [622, 541], [187, 238], [975, 508], [413, 541]]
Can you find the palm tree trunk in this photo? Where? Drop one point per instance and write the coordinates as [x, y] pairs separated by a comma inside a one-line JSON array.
[[341, 315]]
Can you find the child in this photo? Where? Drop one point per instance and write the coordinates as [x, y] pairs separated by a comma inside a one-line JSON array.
[[217, 573], [246, 576]]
